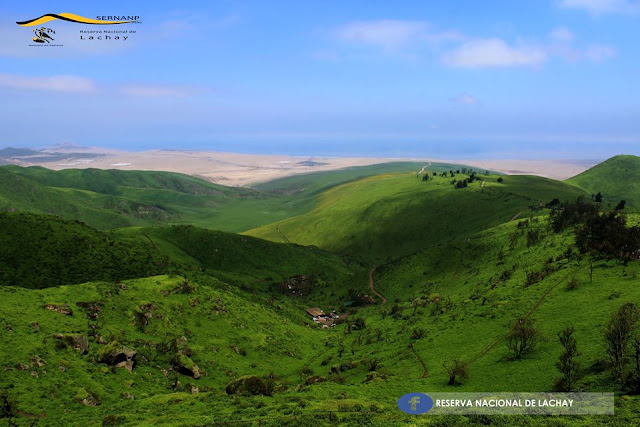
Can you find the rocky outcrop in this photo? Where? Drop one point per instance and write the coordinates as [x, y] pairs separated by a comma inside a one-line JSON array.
[[63, 309], [115, 354], [86, 397], [185, 366], [315, 379], [250, 385], [76, 341]]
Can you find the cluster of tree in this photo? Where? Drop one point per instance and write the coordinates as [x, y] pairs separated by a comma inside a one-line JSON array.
[[607, 236], [604, 236], [568, 214], [622, 338]]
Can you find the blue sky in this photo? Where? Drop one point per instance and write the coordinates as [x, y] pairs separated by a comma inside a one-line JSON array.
[[463, 79]]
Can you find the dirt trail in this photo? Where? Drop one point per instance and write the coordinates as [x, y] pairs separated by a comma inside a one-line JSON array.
[[423, 374], [282, 234], [526, 315], [384, 300]]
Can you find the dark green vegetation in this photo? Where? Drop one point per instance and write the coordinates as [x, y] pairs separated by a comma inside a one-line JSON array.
[[393, 215], [106, 199], [180, 325], [616, 179]]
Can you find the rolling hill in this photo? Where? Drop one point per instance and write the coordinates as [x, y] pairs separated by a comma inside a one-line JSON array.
[[180, 325], [392, 215], [107, 199], [617, 178], [193, 341]]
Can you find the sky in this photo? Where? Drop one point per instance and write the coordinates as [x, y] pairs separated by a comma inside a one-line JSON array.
[[442, 79]]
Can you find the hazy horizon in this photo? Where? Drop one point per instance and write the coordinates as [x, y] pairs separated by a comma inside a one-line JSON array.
[[549, 79]]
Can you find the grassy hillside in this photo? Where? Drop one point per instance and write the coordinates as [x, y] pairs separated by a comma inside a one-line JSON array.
[[38, 251], [392, 215], [617, 178], [466, 306], [256, 264], [107, 199]]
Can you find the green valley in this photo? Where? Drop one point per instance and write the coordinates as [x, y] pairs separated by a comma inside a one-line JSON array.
[[139, 304]]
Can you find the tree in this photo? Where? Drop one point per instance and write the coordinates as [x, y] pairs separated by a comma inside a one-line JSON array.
[[566, 364], [619, 334], [425, 177], [340, 348], [457, 370], [8, 407], [621, 205], [500, 179], [523, 338], [598, 198]]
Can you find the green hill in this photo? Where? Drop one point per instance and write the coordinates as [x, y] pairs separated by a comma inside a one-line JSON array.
[[107, 199], [256, 264], [617, 178], [38, 251], [393, 215], [456, 301]]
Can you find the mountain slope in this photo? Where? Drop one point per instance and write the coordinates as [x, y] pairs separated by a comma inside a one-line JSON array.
[[38, 251], [465, 307], [617, 178], [393, 215]]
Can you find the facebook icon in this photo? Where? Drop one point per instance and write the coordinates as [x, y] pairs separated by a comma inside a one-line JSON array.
[[415, 403]]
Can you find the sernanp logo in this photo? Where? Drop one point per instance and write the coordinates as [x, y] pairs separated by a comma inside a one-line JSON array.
[[415, 403]]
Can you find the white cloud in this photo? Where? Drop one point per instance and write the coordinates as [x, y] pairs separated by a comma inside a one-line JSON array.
[[386, 34], [155, 91], [561, 34], [598, 7], [494, 52], [599, 52], [60, 83], [389, 34], [466, 99]]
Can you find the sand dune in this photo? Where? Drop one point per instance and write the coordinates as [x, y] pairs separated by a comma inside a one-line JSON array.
[[234, 169]]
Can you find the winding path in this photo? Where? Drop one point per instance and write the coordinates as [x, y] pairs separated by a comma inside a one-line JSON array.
[[384, 300]]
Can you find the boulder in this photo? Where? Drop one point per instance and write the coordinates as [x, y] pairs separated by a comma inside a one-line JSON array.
[[86, 397], [315, 379], [185, 366], [250, 385], [113, 354], [63, 309], [78, 342]]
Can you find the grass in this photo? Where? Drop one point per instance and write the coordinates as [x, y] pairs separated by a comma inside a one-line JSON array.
[[107, 199], [455, 266], [388, 216], [617, 178]]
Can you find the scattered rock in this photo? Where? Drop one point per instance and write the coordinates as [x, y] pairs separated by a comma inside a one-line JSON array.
[[93, 309], [185, 366], [86, 397], [128, 395], [63, 309], [128, 365], [78, 342], [22, 366], [371, 376], [37, 361], [315, 379], [9, 327], [194, 389], [34, 374], [297, 285], [35, 326], [114, 354], [251, 385]]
